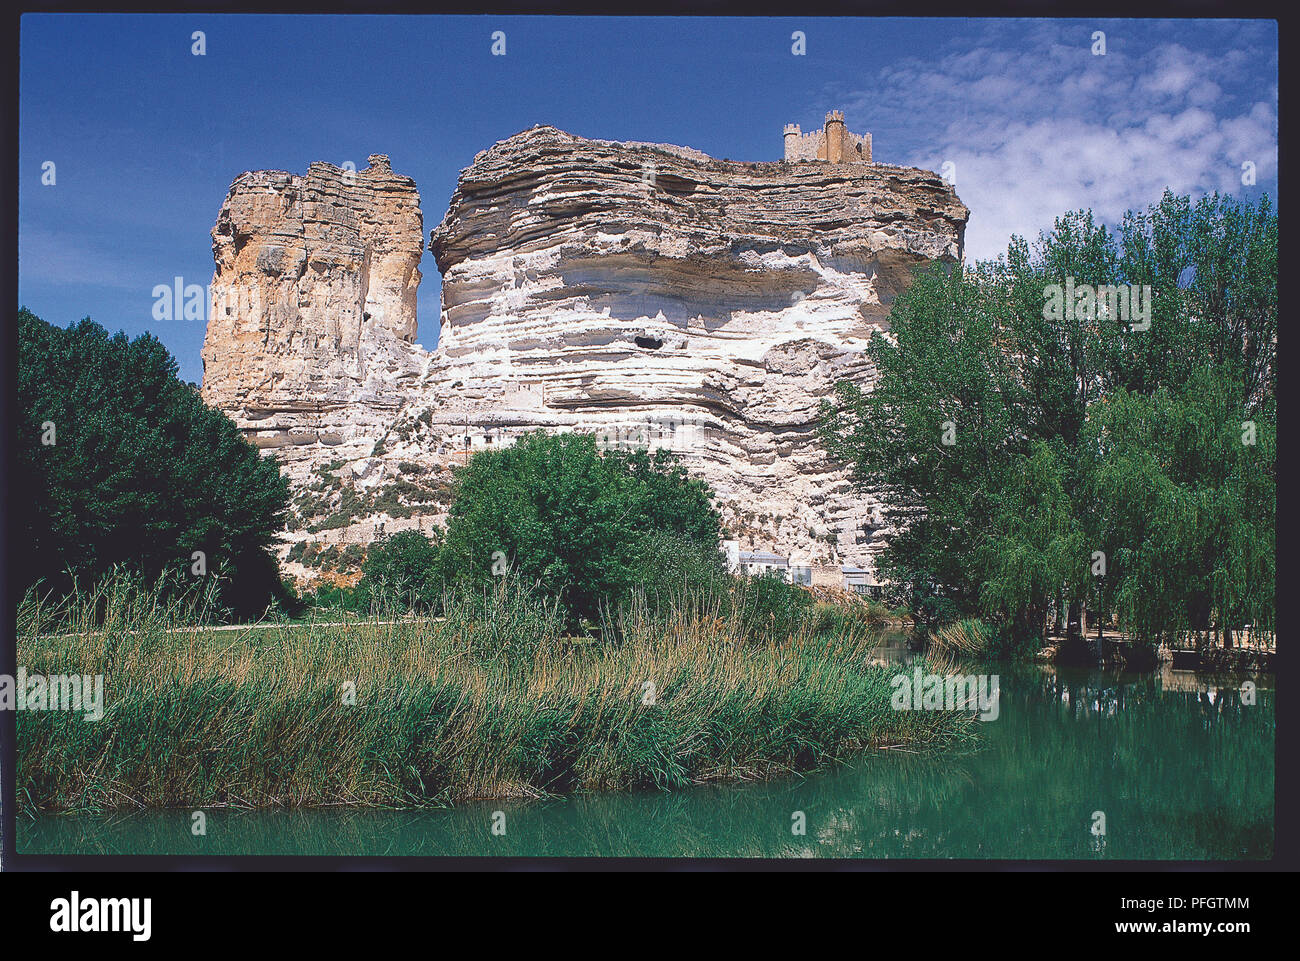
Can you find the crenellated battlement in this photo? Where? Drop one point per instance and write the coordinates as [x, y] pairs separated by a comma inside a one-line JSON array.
[[832, 144]]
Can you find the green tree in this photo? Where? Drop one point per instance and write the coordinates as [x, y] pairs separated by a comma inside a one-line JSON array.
[[1076, 432], [1213, 266], [403, 569], [561, 514], [121, 463], [937, 435], [1031, 554], [1185, 488]]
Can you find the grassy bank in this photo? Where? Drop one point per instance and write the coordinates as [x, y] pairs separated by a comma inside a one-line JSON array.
[[493, 701]]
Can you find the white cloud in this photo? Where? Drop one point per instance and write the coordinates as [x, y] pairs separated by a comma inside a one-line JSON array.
[[1047, 127]]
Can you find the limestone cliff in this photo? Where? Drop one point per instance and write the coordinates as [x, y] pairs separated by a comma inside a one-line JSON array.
[[313, 298], [640, 292]]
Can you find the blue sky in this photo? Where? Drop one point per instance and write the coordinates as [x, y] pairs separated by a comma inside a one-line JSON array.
[[146, 137]]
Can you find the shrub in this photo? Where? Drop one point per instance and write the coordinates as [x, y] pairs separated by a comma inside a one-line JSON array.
[[569, 518], [673, 570], [507, 618], [336, 597], [976, 638], [402, 569], [768, 606]]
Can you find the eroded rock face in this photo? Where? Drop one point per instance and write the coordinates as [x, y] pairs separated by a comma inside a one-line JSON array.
[[313, 299], [641, 292], [711, 304]]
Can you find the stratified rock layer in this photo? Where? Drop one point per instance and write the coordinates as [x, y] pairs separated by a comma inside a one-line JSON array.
[[641, 292], [313, 298]]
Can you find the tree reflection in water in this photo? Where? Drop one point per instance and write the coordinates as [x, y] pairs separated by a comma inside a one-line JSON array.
[[1180, 766]]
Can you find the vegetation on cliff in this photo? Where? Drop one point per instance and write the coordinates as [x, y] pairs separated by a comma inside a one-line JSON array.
[[579, 524]]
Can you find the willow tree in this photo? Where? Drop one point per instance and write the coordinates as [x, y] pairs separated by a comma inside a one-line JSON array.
[[1184, 488], [1034, 457]]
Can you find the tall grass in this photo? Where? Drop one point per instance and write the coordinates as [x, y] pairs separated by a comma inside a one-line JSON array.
[[494, 701], [970, 637], [973, 638]]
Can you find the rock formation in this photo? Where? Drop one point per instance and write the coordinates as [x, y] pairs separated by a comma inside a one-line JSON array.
[[640, 292], [313, 298]]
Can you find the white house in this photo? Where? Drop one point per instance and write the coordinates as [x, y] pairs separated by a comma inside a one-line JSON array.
[[860, 581], [760, 562]]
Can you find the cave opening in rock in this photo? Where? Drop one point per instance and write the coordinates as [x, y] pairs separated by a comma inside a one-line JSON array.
[[649, 343], [680, 186]]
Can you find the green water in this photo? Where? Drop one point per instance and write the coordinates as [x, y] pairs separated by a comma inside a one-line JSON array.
[[1179, 766]]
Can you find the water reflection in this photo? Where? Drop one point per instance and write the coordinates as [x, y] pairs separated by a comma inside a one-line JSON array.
[[1179, 765]]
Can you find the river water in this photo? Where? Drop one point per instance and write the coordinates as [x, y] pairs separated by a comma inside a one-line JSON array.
[[1079, 764]]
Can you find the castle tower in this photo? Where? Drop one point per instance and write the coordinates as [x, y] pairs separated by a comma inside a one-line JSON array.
[[792, 134], [831, 144], [833, 136]]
